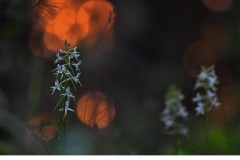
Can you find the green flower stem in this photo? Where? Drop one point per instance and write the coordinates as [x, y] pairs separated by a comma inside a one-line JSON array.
[[64, 124], [176, 144], [64, 132], [68, 59], [64, 103], [206, 132]]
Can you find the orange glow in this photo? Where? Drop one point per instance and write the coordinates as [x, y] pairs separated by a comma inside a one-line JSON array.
[[49, 38], [54, 43], [218, 5], [95, 108], [41, 127], [61, 28], [86, 22], [196, 55], [61, 25], [83, 22], [47, 9], [100, 16]]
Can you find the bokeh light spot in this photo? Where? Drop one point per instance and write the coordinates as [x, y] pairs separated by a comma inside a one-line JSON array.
[[41, 127], [218, 5], [62, 23], [61, 28], [46, 9], [95, 108], [89, 23], [101, 17], [83, 22]]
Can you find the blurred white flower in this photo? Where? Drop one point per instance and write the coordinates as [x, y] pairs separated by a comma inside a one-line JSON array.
[[197, 98], [68, 94], [184, 131], [74, 54], [168, 121], [58, 70], [182, 112], [210, 94], [206, 81], [76, 65], [212, 82], [76, 79], [173, 110], [58, 57], [203, 76], [200, 108], [57, 86], [215, 102]]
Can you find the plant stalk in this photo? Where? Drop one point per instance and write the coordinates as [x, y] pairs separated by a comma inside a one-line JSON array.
[[206, 132], [177, 142]]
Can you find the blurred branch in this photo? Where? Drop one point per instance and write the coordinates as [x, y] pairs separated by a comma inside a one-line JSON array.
[[45, 8]]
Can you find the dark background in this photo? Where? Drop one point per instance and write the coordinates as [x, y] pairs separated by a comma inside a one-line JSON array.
[[148, 54]]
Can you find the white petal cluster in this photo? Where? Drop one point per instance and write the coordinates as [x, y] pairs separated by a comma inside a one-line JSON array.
[[207, 81], [66, 61], [173, 111]]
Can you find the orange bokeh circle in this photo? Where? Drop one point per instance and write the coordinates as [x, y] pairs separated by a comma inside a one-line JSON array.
[[218, 5], [41, 127], [95, 18], [61, 28], [95, 109]]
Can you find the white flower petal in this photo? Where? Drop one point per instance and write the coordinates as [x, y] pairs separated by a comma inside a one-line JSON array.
[[69, 109], [200, 109]]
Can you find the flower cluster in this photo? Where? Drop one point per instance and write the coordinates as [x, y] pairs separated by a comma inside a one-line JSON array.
[[207, 79], [174, 110], [66, 61]]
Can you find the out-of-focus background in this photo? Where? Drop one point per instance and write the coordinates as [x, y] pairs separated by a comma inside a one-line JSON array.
[[131, 52]]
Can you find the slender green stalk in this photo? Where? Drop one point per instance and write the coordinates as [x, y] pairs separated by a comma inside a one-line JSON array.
[[177, 143], [206, 132], [66, 61], [206, 80], [64, 133], [64, 121]]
